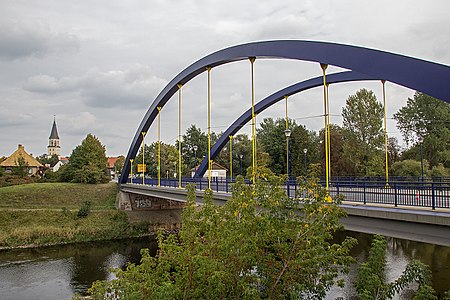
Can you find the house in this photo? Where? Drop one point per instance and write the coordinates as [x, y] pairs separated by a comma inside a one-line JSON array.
[[112, 166], [217, 171], [20, 158], [61, 162]]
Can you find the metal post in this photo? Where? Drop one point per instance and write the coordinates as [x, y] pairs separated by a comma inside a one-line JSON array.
[[421, 158], [195, 158], [324, 67], [385, 134], [179, 135], [304, 160], [433, 197], [131, 170], [252, 61], [287, 133], [209, 127], [231, 158], [159, 146], [240, 157], [143, 155]]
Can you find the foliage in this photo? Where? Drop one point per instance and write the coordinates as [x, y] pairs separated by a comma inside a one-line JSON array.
[[271, 137], [84, 210], [118, 165], [88, 163], [408, 168], [425, 119], [362, 120], [363, 115], [1, 171], [44, 159], [260, 244], [21, 168], [371, 283], [439, 171]]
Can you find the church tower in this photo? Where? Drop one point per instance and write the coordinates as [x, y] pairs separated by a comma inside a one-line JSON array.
[[53, 141]]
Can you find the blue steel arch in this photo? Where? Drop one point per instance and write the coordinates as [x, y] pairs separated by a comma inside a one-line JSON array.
[[427, 77], [271, 100]]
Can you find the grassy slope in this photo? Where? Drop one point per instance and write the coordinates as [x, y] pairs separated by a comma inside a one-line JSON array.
[[38, 214], [57, 195]]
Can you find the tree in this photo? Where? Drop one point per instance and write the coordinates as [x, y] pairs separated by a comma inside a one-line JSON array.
[[271, 137], [44, 159], [408, 168], [118, 165], [260, 244], [21, 168], [87, 163], [371, 283], [362, 116], [425, 120], [193, 137]]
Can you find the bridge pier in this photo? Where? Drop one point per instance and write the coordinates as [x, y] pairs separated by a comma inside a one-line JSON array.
[[159, 213]]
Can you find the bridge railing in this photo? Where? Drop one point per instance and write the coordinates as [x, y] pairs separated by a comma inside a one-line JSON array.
[[432, 194]]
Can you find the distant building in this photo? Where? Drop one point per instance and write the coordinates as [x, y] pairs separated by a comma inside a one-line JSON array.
[[53, 147], [217, 171], [21, 157], [61, 162]]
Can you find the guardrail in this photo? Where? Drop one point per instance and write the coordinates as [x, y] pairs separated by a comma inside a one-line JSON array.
[[432, 194]]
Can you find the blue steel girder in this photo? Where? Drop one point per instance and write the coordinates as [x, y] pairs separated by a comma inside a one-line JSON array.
[[427, 77], [271, 100]]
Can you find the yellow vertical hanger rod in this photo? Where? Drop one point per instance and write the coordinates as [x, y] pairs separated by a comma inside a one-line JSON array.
[[179, 135], [325, 102], [159, 145], [209, 128], [385, 133], [252, 61], [231, 158], [143, 155]]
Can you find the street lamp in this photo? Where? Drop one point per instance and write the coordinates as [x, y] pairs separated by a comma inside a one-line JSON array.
[[195, 148], [240, 157], [421, 157], [304, 159], [287, 133]]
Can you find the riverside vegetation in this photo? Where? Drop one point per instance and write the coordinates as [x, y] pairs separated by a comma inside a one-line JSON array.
[[53, 213]]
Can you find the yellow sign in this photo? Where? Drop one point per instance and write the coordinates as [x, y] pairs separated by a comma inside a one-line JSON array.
[[141, 168]]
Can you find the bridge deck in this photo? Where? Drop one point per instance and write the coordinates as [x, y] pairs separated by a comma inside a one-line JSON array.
[[414, 223]]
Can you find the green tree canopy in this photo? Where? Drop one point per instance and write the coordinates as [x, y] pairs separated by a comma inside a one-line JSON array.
[[363, 116], [87, 163], [426, 120], [259, 245]]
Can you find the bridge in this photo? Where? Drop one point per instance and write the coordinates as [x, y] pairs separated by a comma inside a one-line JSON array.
[[417, 212]]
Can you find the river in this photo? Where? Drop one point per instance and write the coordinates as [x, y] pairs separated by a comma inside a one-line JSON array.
[[61, 271]]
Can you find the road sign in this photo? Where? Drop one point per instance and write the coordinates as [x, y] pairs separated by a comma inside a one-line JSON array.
[[141, 168]]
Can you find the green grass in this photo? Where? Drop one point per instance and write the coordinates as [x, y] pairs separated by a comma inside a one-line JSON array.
[[41, 227], [57, 195]]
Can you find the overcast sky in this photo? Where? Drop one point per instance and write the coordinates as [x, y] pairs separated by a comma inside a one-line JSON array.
[[98, 65]]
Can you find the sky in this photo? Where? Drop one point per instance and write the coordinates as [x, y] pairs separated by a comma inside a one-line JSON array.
[[98, 65]]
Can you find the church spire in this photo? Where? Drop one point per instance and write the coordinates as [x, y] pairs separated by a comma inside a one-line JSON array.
[[54, 134], [53, 141]]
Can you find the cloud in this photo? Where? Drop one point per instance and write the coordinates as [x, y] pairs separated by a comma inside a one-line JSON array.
[[34, 39], [135, 86]]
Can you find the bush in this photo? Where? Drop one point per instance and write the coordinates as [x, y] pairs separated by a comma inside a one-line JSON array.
[[408, 167], [84, 210], [439, 171]]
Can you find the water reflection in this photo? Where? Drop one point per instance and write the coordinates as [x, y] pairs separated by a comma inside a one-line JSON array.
[[61, 271], [399, 254]]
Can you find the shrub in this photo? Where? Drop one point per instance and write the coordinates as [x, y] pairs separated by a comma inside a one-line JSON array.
[[84, 210]]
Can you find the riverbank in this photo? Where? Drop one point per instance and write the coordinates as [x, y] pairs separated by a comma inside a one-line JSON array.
[[42, 214]]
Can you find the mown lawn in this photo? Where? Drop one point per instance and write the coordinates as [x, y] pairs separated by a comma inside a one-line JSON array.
[[57, 195]]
